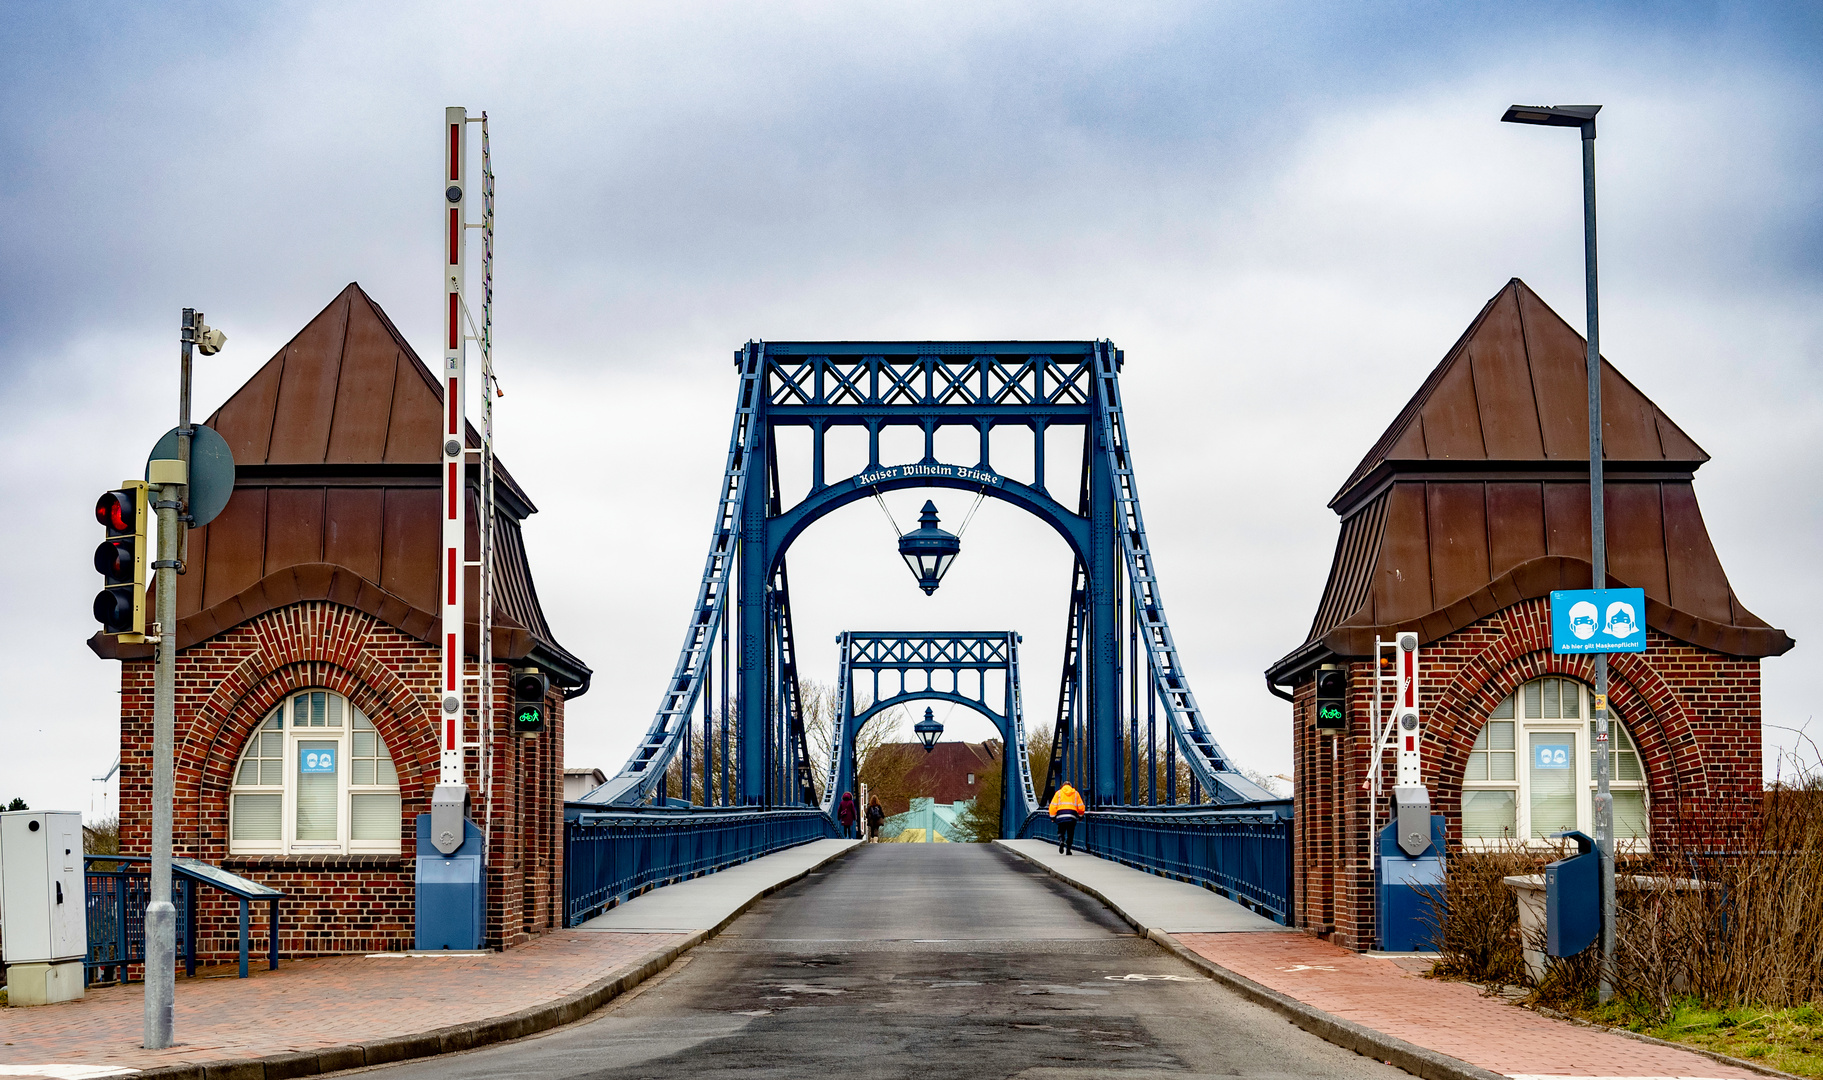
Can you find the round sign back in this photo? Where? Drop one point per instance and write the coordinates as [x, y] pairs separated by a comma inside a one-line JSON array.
[[211, 470]]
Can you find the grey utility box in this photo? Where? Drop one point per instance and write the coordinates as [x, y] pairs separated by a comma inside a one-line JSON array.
[[42, 905], [448, 809], [1412, 813]]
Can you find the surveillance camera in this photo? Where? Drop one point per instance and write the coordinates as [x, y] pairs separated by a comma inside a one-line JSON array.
[[210, 340]]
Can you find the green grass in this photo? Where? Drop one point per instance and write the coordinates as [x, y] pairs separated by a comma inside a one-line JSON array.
[[1787, 1039]]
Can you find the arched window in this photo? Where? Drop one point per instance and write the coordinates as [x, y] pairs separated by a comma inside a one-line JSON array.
[[1532, 770], [315, 778]]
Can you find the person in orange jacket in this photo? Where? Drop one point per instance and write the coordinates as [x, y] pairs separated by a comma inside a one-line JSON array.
[[1067, 809]]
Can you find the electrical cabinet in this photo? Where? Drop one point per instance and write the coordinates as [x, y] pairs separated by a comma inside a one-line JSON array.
[[41, 887]]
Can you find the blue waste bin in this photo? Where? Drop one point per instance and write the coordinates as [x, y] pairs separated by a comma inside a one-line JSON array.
[[1572, 899], [451, 892], [1410, 890]]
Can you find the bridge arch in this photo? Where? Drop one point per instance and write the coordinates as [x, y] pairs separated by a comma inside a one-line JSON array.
[[782, 531], [744, 597]]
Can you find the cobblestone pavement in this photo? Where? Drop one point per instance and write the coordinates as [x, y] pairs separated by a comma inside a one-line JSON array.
[[316, 1004], [1449, 1017]]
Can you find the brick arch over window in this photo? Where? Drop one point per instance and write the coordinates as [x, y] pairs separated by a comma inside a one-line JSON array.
[[293, 655], [1515, 648]]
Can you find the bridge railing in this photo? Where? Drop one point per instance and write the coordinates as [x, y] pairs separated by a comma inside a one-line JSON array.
[[1242, 851], [611, 856]]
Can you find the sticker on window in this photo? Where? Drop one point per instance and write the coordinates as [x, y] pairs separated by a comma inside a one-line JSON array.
[[1552, 756], [317, 761]]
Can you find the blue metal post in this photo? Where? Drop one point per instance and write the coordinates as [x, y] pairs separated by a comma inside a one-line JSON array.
[[688, 774], [1151, 736], [1133, 785], [1104, 632], [244, 934], [754, 695], [727, 705]]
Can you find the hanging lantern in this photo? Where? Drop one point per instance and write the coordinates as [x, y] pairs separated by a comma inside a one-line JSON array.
[[929, 729], [929, 550]]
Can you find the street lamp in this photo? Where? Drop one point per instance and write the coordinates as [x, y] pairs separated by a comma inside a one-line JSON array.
[[1582, 117], [929, 730], [929, 550]]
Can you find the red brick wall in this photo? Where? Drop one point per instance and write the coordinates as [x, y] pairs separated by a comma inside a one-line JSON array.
[[341, 903], [1694, 714]]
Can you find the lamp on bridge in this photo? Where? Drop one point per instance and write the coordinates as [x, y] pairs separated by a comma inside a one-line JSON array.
[[929, 729], [929, 550]]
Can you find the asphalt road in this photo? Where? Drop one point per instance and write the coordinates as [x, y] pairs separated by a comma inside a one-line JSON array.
[[924, 961]]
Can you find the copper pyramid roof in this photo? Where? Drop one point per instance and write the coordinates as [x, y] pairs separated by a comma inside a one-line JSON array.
[[1477, 498], [336, 490], [1513, 389]]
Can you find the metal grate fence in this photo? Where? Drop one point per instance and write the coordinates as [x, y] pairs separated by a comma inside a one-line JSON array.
[[613, 855], [1242, 852]]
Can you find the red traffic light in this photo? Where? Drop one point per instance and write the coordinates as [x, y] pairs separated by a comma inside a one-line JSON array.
[[114, 560], [117, 511]]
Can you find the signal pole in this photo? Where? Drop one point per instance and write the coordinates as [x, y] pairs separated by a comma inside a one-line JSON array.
[[161, 914], [171, 479]]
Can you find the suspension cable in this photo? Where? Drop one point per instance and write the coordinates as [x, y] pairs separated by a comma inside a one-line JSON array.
[[980, 497], [897, 532]]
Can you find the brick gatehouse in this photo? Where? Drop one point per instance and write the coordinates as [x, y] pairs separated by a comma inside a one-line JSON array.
[[306, 621], [1459, 522]]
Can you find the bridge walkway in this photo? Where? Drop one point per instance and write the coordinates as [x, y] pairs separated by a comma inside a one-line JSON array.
[[927, 961]]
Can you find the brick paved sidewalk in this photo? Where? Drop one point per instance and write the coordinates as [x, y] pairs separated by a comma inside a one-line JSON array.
[[312, 1005], [1448, 1017]]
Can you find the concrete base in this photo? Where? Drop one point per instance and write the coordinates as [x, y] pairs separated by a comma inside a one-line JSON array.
[[43, 984]]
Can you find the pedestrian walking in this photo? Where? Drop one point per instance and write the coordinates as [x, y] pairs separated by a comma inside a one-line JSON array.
[[876, 819], [1066, 810], [846, 815]]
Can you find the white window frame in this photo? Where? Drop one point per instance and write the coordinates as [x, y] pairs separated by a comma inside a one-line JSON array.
[[287, 790], [1575, 728]]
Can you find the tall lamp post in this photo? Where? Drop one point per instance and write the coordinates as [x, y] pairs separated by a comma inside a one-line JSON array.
[[1582, 117]]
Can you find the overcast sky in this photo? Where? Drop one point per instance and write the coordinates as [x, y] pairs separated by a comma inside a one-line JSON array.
[[1284, 214]]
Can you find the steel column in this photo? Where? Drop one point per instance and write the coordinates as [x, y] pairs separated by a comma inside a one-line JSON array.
[[1104, 632]]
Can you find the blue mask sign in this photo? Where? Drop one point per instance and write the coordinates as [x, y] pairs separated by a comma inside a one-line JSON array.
[[1553, 756], [1598, 620], [316, 760]]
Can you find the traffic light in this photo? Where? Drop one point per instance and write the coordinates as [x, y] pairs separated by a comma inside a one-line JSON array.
[[120, 606], [1332, 699], [529, 690]]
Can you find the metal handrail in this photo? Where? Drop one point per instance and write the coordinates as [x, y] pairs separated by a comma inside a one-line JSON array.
[[115, 907]]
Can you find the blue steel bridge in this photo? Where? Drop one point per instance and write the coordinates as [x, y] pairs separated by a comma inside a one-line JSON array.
[[730, 727]]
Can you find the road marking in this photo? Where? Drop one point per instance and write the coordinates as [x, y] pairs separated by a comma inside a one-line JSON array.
[[65, 1072], [1308, 967], [1151, 978]]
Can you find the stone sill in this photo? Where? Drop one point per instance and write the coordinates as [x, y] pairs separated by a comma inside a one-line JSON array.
[[313, 862]]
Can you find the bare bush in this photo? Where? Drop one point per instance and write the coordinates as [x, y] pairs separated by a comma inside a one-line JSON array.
[[1479, 919], [1729, 920]]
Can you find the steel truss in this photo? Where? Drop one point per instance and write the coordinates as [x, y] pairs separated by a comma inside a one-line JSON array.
[[931, 385], [898, 655]]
